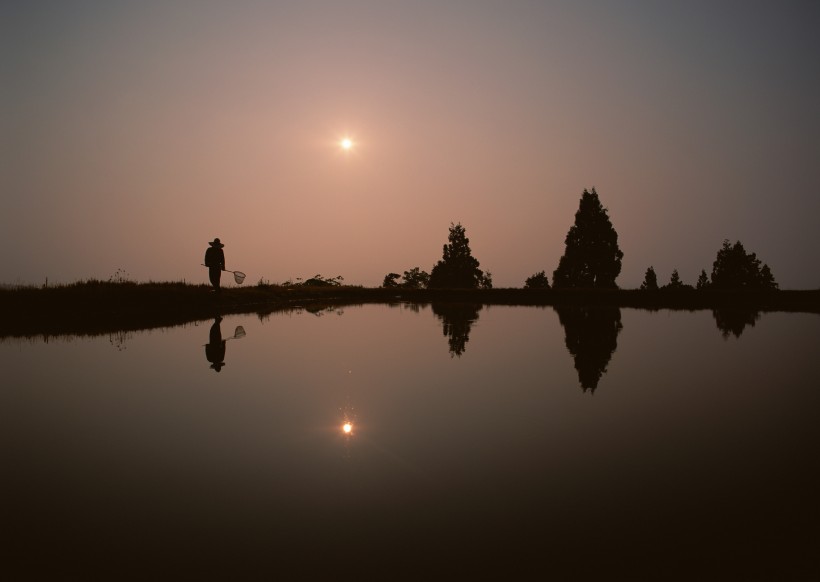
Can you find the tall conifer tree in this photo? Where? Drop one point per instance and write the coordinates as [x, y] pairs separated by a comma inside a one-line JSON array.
[[592, 257], [650, 280], [458, 269]]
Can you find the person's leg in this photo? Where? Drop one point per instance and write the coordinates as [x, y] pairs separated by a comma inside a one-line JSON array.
[[215, 276]]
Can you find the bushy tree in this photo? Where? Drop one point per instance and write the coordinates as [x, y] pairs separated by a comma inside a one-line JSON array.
[[592, 257], [319, 280], [537, 281], [458, 269], [734, 268], [703, 280], [650, 280], [391, 280], [415, 278]]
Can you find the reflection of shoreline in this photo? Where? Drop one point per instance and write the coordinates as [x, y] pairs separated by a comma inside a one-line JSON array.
[[95, 308], [456, 321], [591, 338]]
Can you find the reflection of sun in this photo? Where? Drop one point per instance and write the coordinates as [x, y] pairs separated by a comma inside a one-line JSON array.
[[346, 143], [347, 428]]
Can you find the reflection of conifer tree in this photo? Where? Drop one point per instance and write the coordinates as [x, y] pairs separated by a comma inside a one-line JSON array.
[[592, 334], [733, 320], [457, 319]]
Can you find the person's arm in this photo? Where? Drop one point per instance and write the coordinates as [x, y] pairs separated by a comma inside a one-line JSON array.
[[221, 259]]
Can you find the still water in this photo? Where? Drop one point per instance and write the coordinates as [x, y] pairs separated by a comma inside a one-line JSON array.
[[417, 442]]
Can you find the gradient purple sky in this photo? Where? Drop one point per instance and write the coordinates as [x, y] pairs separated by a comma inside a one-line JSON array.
[[135, 132]]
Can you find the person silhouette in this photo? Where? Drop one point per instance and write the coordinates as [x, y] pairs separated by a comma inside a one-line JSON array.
[[215, 261], [215, 348]]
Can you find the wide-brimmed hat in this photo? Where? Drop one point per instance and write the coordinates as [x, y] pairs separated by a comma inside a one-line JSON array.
[[216, 243]]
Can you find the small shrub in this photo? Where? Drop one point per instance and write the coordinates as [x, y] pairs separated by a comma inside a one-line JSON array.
[[120, 276], [537, 281], [319, 281]]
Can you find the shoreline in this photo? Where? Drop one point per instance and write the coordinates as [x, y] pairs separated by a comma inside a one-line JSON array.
[[95, 307]]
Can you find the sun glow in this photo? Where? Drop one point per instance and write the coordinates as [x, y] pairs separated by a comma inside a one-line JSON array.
[[347, 428], [346, 144]]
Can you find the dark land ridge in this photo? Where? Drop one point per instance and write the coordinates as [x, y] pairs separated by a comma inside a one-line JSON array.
[[98, 307]]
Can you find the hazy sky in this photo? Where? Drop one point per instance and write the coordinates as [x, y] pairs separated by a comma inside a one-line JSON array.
[[135, 132]]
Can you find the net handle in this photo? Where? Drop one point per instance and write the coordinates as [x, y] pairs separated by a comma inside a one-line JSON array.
[[238, 276]]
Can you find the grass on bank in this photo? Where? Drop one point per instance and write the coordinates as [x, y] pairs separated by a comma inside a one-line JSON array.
[[94, 306]]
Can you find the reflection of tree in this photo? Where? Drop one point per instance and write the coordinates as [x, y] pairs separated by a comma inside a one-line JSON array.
[[734, 321], [457, 319], [592, 334]]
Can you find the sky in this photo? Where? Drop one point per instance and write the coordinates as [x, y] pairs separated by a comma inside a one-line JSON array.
[[132, 133]]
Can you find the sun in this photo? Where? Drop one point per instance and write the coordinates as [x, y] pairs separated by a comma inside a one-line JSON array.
[[346, 144]]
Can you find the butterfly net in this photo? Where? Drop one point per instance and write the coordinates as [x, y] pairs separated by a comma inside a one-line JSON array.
[[239, 277]]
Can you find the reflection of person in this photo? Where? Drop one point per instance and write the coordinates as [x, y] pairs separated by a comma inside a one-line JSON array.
[[215, 261], [215, 348]]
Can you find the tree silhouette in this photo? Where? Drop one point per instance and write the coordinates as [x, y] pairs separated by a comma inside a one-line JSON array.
[[650, 280], [458, 269], [592, 257], [592, 338], [457, 319], [391, 280], [675, 280], [766, 277], [703, 280], [415, 278], [734, 268], [537, 281], [675, 284]]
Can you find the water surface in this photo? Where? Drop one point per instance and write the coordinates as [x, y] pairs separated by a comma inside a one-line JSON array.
[[517, 441]]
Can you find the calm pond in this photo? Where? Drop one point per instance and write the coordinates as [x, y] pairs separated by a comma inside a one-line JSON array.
[[522, 442]]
